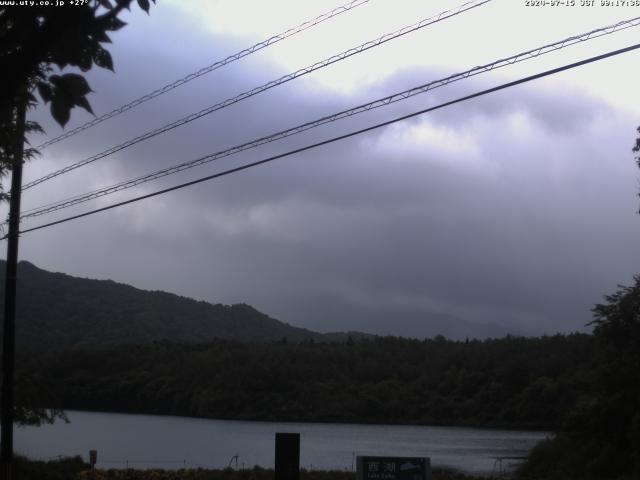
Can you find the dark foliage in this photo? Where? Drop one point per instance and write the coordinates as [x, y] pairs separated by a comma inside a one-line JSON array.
[[599, 436], [513, 382], [636, 149], [36, 39], [33, 39], [62, 469], [255, 473]]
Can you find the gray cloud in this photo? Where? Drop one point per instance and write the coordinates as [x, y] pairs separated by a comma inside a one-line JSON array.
[[516, 208]]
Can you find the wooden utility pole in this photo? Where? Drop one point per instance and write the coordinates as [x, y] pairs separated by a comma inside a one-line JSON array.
[[9, 331]]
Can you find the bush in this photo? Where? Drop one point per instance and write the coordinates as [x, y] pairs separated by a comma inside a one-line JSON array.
[[62, 469]]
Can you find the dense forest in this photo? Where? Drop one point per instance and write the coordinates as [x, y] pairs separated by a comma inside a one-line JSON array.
[[599, 435], [512, 382]]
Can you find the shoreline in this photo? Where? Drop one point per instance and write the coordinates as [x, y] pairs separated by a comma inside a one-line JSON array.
[[74, 468], [471, 426]]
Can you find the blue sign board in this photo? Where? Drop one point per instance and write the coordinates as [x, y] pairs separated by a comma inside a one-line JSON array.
[[393, 468]]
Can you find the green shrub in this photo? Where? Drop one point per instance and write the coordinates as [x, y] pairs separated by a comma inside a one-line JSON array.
[[61, 469]]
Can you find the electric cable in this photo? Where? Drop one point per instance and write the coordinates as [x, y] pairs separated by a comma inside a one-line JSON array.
[[208, 69], [273, 83], [75, 200], [340, 137]]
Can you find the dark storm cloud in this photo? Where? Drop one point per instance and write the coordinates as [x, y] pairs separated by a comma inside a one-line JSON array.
[[517, 208]]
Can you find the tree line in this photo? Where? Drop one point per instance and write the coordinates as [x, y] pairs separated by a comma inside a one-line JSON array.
[[511, 382]]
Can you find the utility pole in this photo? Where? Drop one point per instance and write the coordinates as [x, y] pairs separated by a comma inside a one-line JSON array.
[[9, 332]]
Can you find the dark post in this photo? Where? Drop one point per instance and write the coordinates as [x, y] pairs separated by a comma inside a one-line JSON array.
[[287, 456], [93, 458], [8, 339]]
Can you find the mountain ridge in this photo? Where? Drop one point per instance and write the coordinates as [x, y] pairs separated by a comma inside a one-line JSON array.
[[58, 311]]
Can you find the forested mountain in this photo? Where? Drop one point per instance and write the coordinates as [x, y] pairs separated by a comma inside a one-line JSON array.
[[58, 311], [512, 382]]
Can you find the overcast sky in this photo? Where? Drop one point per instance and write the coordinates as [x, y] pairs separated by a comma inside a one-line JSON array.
[[517, 208]]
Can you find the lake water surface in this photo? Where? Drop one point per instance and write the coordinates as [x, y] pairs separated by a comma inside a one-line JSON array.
[[148, 441]]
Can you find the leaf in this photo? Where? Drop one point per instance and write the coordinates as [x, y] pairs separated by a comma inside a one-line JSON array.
[[102, 58], [60, 111], [69, 90], [114, 23], [124, 4], [84, 103], [55, 80], [44, 89], [75, 84], [84, 61], [99, 35], [31, 127], [29, 153], [144, 5]]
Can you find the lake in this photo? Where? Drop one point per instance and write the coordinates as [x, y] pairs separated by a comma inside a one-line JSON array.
[[149, 441]]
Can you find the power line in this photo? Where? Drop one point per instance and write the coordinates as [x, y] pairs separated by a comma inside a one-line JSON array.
[[61, 204], [342, 137], [208, 69], [273, 83]]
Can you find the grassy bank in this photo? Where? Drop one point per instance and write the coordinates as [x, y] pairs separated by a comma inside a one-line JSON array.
[[62, 469], [75, 469], [252, 474]]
